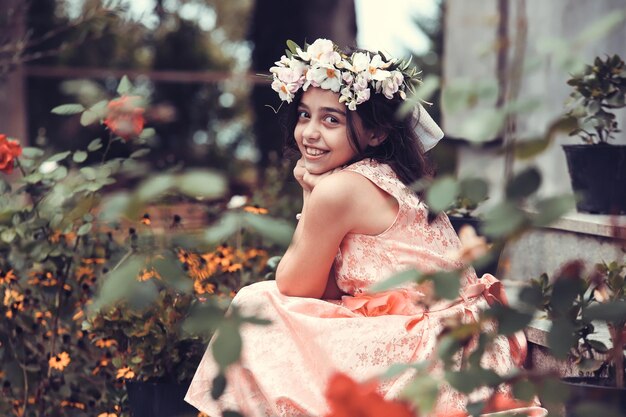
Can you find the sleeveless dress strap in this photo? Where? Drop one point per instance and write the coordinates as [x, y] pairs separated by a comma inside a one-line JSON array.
[[382, 176]]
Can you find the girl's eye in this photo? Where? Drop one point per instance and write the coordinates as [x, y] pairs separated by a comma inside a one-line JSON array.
[[302, 114], [331, 119]]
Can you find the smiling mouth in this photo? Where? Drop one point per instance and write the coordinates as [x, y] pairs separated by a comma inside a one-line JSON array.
[[314, 151]]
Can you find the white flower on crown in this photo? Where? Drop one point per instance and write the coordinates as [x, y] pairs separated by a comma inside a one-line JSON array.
[[360, 62], [286, 92], [355, 77], [325, 77], [322, 52], [376, 68]]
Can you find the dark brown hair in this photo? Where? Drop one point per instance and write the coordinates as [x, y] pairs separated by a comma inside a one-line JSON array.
[[401, 149]]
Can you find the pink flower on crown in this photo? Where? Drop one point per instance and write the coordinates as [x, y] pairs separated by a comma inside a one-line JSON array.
[[391, 84], [293, 72]]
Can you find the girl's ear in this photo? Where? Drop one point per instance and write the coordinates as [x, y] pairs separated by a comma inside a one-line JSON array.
[[376, 137]]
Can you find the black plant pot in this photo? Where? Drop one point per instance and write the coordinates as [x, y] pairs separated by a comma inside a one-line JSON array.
[[598, 174], [158, 399], [594, 390], [490, 267]]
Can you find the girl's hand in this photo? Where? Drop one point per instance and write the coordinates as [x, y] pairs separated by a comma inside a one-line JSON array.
[[307, 180]]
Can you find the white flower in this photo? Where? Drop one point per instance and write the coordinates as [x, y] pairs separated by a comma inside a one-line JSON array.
[[320, 50], [376, 70], [360, 62], [327, 78], [237, 201], [283, 90], [347, 77]]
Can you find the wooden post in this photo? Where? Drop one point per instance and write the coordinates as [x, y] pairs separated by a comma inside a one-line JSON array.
[[13, 121]]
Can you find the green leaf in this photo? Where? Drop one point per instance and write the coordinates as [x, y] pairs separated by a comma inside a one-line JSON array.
[[84, 229], [120, 283], [447, 284], [202, 184], [139, 153], [503, 219], [218, 386], [94, 145], [31, 152], [89, 173], [79, 156], [292, 46], [124, 86], [462, 381], [67, 109], [147, 133], [422, 391], [483, 125], [58, 156], [523, 184], [442, 193], [277, 230], [509, 319], [475, 189], [529, 148], [551, 209], [95, 113], [410, 275], [524, 390], [171, 272], [610, 311], [154, 187], [561, 338], [58, 174], [227, 344], [228, 225]]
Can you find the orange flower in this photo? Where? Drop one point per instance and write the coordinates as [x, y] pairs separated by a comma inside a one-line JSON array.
[[125, 373], [125, 116], [255, 209], [60, 361], [8, 278], [66, 403], [201, 288], [9, 150], [347, 398]]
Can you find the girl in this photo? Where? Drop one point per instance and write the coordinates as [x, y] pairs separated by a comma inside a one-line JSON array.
[[360, 223]]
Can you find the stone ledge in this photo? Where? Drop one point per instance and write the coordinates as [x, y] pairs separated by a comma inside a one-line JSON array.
[[592, 224]]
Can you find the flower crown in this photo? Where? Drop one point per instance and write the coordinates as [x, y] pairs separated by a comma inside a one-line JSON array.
[[321, 64]]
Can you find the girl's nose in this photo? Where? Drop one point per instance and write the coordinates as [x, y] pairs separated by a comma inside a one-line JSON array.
[[311, 131]]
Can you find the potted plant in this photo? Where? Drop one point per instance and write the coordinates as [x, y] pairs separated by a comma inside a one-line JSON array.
[[580, 305], [597, 168]]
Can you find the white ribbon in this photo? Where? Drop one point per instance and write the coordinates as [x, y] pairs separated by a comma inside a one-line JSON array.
[[428, 132]]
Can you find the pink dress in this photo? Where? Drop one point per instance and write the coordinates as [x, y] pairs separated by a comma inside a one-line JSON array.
[[284, 367]]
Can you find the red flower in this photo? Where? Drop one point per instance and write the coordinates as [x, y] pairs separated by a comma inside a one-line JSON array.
[[125, 117], [347, 398], [9, 150]]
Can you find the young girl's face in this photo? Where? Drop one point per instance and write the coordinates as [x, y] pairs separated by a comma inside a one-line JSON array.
[[322, 133]]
